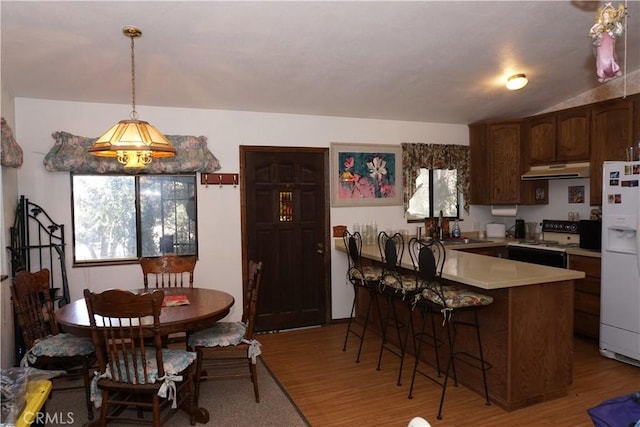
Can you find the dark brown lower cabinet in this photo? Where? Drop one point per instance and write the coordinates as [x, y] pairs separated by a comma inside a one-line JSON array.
[[586, 304]]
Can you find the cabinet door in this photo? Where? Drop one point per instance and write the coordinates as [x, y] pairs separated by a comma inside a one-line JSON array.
[[504, 162], [611, 133], [573, 142], [541, 139], [586, 299], [479, 176], [590, 265]]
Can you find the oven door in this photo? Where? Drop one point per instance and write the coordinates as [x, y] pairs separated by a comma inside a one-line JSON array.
[[551, 258]]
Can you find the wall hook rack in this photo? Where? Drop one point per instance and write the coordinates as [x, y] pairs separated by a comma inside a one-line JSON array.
[[219, 179]]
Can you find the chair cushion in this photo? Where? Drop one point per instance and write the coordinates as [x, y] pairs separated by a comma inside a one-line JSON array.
[[175, 361], [60, 345], [222, 334], [456, 297], [405, 284], [368, 273]]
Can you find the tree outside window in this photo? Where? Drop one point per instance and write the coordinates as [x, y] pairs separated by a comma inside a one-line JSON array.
[[121, 218], [435, 192]]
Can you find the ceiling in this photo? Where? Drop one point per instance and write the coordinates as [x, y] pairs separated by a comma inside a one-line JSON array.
[[431, 61]]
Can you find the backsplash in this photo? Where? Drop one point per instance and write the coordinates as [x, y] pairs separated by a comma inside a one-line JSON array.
[[559, 206]]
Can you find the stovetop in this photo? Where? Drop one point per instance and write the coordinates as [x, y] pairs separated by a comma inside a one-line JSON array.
[[557, 235], [560, 226]]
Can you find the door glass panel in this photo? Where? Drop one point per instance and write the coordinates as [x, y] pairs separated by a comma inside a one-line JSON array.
[[286, 206]]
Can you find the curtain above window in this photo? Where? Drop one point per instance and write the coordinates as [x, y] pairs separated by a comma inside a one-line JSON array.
[[435, 156], [69, 154], [11, 151]]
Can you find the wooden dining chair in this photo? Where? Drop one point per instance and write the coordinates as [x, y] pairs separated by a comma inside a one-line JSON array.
[[168, 271], [48, 348], [226, 348], [132, 374]]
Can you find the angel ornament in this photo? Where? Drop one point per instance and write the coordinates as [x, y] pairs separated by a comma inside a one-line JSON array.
[[604, 32]]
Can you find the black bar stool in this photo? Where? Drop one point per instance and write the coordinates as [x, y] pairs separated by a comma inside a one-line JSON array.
[[362, 277], [428, 259], [394, 285]]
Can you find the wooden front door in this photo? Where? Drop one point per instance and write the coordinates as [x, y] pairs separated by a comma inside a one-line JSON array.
[[285, 225]]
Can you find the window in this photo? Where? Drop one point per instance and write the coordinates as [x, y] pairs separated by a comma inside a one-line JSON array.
[[120, 218], [435, 191]]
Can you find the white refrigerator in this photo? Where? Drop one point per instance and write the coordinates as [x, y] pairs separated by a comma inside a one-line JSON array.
[[620, 292]]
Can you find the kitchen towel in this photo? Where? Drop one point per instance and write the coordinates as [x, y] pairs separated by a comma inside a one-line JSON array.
[[504, 210]]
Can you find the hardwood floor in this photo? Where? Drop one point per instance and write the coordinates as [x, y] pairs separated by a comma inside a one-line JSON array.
[[332, 390]]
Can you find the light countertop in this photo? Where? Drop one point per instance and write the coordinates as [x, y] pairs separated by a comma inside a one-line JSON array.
[[497, 241], [483, 271]]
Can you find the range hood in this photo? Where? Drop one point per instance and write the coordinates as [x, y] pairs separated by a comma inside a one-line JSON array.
[[559, 171]]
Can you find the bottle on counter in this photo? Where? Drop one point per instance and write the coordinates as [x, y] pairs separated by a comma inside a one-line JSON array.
[[456, 233]]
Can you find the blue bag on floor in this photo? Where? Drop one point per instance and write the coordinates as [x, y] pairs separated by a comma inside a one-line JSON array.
[[623, 411]]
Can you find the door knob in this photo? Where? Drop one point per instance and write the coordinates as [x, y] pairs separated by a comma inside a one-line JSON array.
[[320, 248]]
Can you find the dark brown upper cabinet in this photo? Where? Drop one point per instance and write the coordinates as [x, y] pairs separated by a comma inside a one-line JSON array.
[[612, 130], [497, 163], [558, 137]]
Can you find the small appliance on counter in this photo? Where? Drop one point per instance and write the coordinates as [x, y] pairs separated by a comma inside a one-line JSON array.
[[591, 234], [496, 230], [520, 231]]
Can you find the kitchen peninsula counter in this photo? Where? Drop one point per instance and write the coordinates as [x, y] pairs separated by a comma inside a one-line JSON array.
[[482, 271], [527, 332]]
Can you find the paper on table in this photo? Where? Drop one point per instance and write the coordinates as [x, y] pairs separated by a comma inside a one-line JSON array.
[[175, 300]]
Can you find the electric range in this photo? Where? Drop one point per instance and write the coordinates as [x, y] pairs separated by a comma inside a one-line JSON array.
[[557, 237]]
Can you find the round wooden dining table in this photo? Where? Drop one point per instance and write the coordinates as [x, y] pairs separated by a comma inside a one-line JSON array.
[[206, 306]]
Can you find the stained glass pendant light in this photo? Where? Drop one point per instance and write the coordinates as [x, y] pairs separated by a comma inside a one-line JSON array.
[[133, 142]]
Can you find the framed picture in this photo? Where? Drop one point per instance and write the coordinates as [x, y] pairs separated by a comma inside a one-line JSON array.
[[366, 175], [576, 194]]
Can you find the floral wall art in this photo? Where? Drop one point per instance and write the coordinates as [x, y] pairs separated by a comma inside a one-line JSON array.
[[366, 175]]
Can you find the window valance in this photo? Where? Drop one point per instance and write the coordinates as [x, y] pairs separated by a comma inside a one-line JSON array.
[[11, 151], [435, 156], [69, 154]]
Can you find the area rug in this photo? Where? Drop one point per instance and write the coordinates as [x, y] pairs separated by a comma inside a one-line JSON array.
[[229, 402]]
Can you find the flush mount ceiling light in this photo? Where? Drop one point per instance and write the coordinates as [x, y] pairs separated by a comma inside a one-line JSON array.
[[133, 142], [517, 81]]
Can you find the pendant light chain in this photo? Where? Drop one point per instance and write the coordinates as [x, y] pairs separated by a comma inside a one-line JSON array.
[[134, 113], [134, 143]]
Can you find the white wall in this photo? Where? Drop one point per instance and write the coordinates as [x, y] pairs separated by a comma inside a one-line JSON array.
[[8, 202], [219, 265]]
